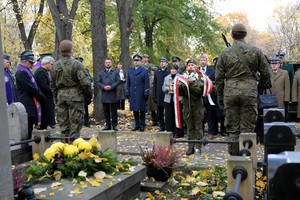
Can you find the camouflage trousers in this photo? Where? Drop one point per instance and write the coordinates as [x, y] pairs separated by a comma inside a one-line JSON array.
[[70, 117], [194, 120], [240, 117]]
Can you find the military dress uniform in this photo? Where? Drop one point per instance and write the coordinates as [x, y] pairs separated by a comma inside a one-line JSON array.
[[237, 88], [69, 83], [137, 90]]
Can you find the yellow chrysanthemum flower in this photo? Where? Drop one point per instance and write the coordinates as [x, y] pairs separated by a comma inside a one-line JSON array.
[[78, 141], [94, 142], [85, 146], [50, 153], [70, 150], [58, 146]]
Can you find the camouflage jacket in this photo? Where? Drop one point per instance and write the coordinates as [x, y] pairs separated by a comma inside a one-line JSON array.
[[234, 78], [70, 81]]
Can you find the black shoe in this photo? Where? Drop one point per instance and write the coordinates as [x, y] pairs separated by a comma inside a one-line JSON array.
[[135, 128], [162, 129], [107, 128], [115, 128], [190, 151], [142, 129]]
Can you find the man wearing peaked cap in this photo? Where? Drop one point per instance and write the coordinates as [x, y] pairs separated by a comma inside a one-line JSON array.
[[286, 66], [137, 57], [11, 93], [28, 92], [137, 91], [280, 83], [236, 85], [158, 94]]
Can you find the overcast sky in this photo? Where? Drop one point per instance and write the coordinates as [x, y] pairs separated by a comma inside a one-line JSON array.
[[257, 11]]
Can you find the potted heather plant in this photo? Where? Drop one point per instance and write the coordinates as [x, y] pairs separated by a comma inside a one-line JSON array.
[[160, 161]]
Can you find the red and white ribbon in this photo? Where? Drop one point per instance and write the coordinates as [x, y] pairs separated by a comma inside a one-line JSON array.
[[207, 90]]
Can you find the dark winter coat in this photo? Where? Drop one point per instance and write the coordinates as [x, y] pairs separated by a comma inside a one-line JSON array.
[[158, 94], [111, 78]]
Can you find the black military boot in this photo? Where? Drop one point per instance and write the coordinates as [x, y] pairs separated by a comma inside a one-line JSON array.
[[190, 151]]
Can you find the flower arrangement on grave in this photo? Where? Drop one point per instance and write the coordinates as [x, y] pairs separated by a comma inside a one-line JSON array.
[[160, 161], [73, 160]]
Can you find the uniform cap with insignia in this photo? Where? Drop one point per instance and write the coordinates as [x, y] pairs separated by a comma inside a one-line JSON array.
[[65, 46], [6, 57], [280, 54], [163, 59], [274, 60], [137, 57], [27, 55], [175, 59]]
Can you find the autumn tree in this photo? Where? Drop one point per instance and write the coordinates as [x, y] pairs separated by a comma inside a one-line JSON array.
[[19, 8], [63, 19], [99, 46], [286, 28]]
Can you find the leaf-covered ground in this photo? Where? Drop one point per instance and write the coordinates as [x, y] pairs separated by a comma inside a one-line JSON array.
[[189, 181]]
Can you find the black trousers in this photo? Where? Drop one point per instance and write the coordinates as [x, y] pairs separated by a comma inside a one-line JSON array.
[[170, 119], [140, 118], [121, 104], [212, 119], [110, 114], [161, 116]]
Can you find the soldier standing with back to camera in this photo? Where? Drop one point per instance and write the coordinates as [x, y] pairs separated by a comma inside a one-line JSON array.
[[237, 87], [69, 83]]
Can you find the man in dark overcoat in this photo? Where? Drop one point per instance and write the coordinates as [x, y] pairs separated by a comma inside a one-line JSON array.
[[108, 81], [158, 94], [42, 78], [137, 91], [28, 91]]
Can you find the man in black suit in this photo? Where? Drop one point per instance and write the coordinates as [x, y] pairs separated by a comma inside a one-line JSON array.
[[210, 109], [28, 91], [158, 94], [42, 78], [108, 81]]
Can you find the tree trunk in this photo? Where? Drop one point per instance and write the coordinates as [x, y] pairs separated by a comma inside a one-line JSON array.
[[63, 20], [125, 14], [99, 47], [27, 41]]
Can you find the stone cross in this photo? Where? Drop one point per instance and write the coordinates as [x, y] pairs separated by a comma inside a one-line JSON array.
[[6, 184]]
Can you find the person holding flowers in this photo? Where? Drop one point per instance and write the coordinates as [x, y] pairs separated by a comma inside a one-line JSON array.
[[192, 95]]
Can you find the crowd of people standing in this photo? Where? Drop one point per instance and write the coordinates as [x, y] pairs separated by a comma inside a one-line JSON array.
[[66, 87]]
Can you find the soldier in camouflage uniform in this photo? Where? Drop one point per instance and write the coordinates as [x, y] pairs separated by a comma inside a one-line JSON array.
[[69, 83], [237, 88]]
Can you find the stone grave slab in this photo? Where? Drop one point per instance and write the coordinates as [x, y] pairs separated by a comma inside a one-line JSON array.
[[124, 187]]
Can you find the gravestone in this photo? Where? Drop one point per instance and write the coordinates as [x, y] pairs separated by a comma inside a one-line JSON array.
[[17, 123], [6, 184]]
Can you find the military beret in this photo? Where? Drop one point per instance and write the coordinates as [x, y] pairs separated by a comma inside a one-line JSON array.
[[27, 55], [239, 27], [137, 57], [163, 59], [191, 61], [6, 57], [65, 45], [274, 60], [280, 54], [175, 59]]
